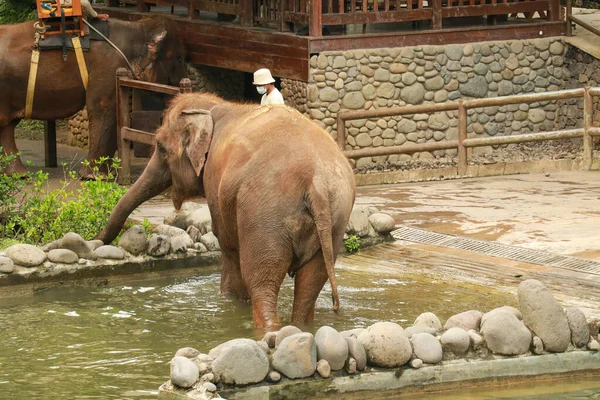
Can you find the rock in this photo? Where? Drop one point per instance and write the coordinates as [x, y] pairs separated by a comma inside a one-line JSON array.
[[200, 219], [413, 94], [324, 369], [63, 256], [474, 87], [593, 345], [241, 363], [427, 348], [352, 332], [507, 309], [134, 240], [274, 377], [51, 246], [428, 321], [174, 232], [357, 351], [210, 241], [94, 244], [359, 222], [386, 345], [110, 252], [538, 345], [382, 223], [179, 218], [413, 330], [580, 332], [210, 387], [184, 373], [284, 332], [476, 339], [353, 101], [296, 356], [180, 243], [159, 245], [466, 320], [216, 352], [188, 352], [269, 339], [543, 315], [416, 363], [332, 347], [7, 265], [194, 233], [350, 366], [74, 242], [505, 334], [200, 247], [456, 340], [26, 255]]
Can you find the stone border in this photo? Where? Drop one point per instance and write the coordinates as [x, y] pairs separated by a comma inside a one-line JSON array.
[[473, 171], [507, 369]]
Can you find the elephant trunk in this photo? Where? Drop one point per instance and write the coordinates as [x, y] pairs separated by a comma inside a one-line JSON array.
[[155, 179]]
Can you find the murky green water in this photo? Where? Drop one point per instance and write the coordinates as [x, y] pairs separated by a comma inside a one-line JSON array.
[[115, 342]]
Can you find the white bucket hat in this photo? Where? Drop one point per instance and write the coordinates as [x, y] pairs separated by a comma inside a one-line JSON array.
[[263, 77]]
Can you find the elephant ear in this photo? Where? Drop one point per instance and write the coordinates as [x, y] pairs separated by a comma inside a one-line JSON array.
[[197, 136]]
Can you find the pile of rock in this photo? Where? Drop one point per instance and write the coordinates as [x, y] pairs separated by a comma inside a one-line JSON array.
[[540, 325], [79, 133]]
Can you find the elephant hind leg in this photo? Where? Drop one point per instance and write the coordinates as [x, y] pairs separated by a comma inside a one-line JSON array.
[[263, 270], [231, 277], [9, 146], [309, 282]]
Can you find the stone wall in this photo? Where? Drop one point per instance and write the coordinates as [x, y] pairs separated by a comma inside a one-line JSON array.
[[388, 77]]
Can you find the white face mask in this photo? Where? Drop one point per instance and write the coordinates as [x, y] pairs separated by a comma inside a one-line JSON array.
[[261, 89]]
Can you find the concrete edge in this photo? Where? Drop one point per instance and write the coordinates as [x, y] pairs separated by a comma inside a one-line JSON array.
[[473, 171], [464, 371]]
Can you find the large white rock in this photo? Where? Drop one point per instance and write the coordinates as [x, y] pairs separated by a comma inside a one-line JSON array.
[[63, 256], [184, 373], [74, 242], [284, 332], [214, 353], [427, 347], [110, 252], [456, 340], [465, 320], [241, 364], [175, 233], [505, 334], [359, 222], [26, 255], [382, 223], [134, 240], [543, 315], [357, 351], [428, 321], [7, 265], [179, 218], [210, 241], [332, 347], [580, 332], [200, 218], [296, 356], [386, 345], [508, 309]]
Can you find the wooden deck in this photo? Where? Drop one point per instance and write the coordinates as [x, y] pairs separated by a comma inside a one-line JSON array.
[[260, 36]]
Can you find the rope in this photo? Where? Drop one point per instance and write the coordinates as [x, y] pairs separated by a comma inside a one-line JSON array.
[[40, 29], [114, 46]]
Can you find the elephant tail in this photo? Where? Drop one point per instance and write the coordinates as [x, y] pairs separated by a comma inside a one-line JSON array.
[[321, 212]]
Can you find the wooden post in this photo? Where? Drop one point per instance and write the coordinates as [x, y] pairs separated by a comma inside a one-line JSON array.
[[462, 135], [185, 85], [588, 147], [123, 119], [50, 143], [246, 12], [436, 19], [554, 12], [191, 11], [315, 18], [141, 6], [568, 11]]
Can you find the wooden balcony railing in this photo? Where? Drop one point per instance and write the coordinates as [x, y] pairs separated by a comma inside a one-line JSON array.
[[319, 13]]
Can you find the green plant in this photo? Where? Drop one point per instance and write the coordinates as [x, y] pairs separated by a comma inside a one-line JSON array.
[[147, 226], [352, 244], [31, 125], [10, 188], [15, 11], [81, 207]]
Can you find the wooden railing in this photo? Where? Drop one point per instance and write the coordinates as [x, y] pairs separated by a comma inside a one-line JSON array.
[[587, 132], [127, 88], [319, 13]]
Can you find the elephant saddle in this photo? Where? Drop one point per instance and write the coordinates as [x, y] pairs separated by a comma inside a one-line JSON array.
[[56, 42]]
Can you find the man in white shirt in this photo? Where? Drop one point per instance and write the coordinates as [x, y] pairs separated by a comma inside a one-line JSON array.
[[264, 82]]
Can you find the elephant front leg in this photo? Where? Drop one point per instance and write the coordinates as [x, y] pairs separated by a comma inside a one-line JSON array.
[[9, 146], [309, 282], [102, 136]]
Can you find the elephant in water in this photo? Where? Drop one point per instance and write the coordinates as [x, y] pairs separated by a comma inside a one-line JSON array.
[[154, 52], [279, 190]]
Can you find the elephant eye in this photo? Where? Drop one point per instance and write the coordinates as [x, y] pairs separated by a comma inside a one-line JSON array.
[[162, 152]]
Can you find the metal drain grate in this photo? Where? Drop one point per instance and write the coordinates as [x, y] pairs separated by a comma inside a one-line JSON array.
[[423, 236]]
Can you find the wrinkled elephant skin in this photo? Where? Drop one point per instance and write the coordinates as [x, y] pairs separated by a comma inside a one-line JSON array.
[[150, 45], [280, 194]]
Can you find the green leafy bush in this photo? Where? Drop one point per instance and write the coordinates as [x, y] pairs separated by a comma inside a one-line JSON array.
[[82, 207], [352, 244], [11, 188], [15, 11]]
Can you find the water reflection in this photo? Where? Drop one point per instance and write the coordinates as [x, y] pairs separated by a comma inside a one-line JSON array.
[[116, 341]]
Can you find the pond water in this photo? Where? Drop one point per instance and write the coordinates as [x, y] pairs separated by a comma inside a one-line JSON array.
[[116, 341]]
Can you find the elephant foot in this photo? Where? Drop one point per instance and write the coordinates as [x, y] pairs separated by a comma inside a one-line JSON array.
[[87, 173], [15, 168]]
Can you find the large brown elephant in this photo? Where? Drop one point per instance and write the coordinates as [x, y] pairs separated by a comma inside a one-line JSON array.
[[150, 45], [280, 194]]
